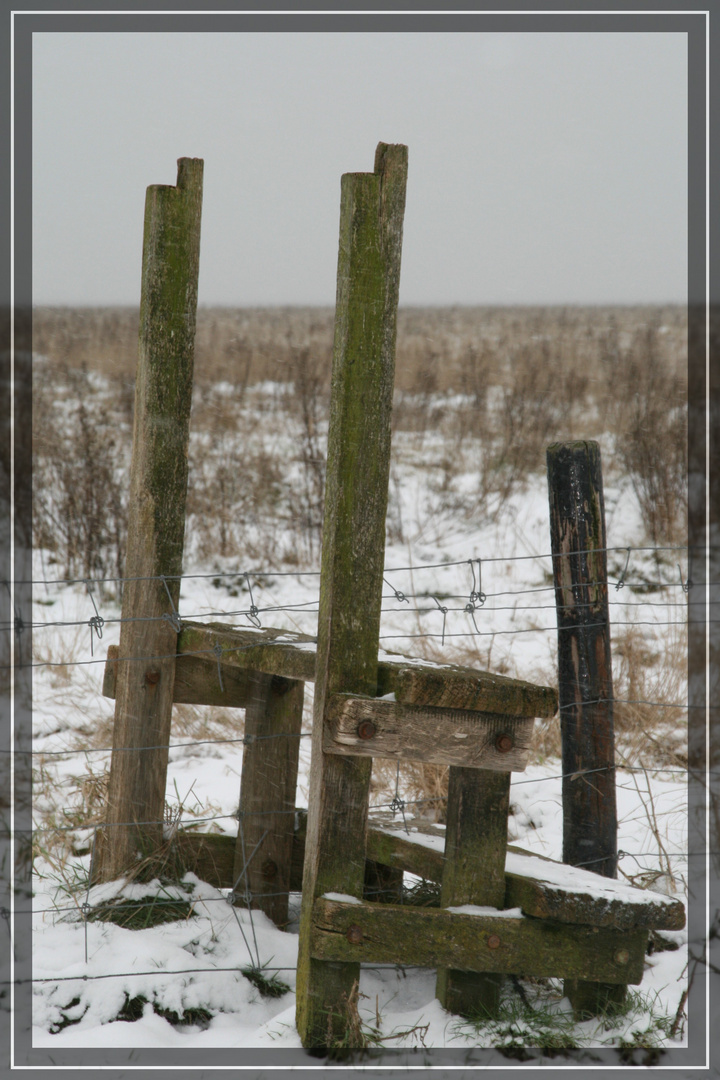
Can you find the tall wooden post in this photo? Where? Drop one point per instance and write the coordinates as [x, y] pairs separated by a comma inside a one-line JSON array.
[[577, 533], [158, 487], [371, 220]]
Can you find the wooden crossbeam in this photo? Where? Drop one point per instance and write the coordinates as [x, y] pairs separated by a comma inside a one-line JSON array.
[[531, 882], [292, 656], [437, 937], [373, 727]]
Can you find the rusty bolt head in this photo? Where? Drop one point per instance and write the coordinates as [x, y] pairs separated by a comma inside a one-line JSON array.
[[493, 942], [152, 677], [354, 935], [366, 729], [504, 743], [622, 956], [269, 869]]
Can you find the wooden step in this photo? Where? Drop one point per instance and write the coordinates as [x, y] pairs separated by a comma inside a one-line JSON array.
[[504, 942], [200, 670], [540, 887]]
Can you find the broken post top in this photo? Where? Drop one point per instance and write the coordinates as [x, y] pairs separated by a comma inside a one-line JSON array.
[[189, 177]]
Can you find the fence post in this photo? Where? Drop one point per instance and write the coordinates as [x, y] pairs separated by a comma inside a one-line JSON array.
[[353, 553], [263, 851], [158, 487], [579, 549]]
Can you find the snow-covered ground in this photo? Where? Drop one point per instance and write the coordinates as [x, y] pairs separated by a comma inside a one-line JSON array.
[[181, 982]]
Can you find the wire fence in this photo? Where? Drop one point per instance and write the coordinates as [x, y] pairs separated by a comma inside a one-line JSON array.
[[474, 604]]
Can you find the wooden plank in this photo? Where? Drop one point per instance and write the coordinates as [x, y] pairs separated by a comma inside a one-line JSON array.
[[274, 652], [474, 873], [209, 855], [453, 686], [414, 682], [431, 937], [353, 555], [263, 851], [156, 525], [211, 858], [363, 726], [551, 890], [197, 681]]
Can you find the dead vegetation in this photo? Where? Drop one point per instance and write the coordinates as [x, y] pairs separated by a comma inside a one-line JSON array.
[[480, 393]]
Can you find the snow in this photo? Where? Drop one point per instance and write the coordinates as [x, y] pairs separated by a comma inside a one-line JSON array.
[[488, 912], [575, 879], [86, 972]]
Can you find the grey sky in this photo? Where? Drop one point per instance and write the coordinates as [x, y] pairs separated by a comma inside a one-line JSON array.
[[544, 167]]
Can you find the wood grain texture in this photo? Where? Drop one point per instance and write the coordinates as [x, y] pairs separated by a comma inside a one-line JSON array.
[[197, 681], [211, 858], [358, 465], [156, 525], [414, 682], [418, 733], [263, 851], [474, 873], [578, 540], [429, 937]]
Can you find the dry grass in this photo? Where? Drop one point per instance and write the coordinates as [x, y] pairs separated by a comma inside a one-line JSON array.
[[479, 391]]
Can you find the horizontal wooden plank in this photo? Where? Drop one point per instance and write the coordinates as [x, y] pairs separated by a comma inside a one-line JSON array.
[[275, 652], [372, 727], [197, 681], [436, 937], [619, 907], [453, 686], [209, 855], [551, 890], [414, 682]]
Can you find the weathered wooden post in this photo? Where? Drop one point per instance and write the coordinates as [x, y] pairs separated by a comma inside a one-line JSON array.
[[579, 548], [263, 852], [474, 873], [158, 486], [371, 221]]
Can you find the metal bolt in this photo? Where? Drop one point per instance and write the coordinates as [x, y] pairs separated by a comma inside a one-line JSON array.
[[152, 677], [354, 935], [622, 956], [269, 869], [493, 942], [366, 729], [504, 743]]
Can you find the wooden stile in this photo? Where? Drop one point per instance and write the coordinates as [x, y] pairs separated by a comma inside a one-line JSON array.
[[527, 916]]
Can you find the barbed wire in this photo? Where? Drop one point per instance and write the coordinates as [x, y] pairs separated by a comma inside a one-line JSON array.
[[311, 606], [694, 550], [392, 805]]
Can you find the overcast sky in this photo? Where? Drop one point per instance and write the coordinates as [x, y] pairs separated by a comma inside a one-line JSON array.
[[543, 167]]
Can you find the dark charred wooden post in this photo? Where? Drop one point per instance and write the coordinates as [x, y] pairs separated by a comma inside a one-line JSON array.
[[579, 548], [263, 851], [158, 487], [371, 222]]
